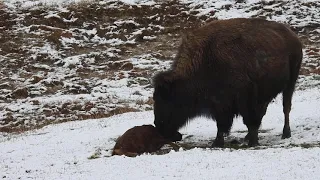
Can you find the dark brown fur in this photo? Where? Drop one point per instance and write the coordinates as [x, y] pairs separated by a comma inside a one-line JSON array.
[[138, 140], [228, 68]]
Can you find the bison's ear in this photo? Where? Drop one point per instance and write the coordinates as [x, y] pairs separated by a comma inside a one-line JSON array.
[[163, 83]]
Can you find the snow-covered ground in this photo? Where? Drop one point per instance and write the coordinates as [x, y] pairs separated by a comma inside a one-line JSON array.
[[83, 65], [65, 151]]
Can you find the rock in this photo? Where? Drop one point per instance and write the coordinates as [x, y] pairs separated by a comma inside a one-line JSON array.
[[127, 66], [20, 93]]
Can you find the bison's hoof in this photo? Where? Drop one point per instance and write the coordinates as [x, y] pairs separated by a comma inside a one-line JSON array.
[[286, 133], [253, 140], [176, 137], [285, 136], [218, 144], [253, 143], [246, 138]]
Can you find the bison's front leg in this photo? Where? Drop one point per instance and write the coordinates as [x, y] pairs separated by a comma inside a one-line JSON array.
[[252, 136], [247, 137], [219, 141], [224, 123], [252, 119], [253, 124]]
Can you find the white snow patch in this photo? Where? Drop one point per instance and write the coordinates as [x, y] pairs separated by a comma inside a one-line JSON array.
[[33, 3]]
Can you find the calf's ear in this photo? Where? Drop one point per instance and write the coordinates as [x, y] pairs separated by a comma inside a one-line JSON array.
[[163, 83]]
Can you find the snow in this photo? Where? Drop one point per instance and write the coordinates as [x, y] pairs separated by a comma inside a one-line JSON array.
[[63, 151], [32, 3], [141, 2], [299, 16]]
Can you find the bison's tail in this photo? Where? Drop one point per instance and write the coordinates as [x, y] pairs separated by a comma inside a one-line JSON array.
[[295, 65]]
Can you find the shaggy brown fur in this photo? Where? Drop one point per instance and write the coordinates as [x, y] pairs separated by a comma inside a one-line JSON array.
[[228, 68], [138, 140]]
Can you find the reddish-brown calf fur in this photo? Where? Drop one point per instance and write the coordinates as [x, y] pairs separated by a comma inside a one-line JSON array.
[[138, 140]]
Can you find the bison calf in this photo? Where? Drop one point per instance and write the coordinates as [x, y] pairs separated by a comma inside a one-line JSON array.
[[141, 139], [228, 68]]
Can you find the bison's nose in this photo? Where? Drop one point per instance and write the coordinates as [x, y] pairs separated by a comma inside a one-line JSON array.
[[176, 136]]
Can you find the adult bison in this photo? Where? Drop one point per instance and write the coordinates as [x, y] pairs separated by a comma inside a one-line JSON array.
[[228, 68]]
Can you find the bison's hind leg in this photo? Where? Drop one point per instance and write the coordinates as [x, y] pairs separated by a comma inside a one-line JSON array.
[[287, 93], [252, 119], [287, 98]]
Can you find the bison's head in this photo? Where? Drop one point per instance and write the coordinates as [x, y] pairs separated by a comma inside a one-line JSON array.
[[168, 109]]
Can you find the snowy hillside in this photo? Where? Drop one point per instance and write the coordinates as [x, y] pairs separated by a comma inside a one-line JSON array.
[[72, 60], [67, 60]]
